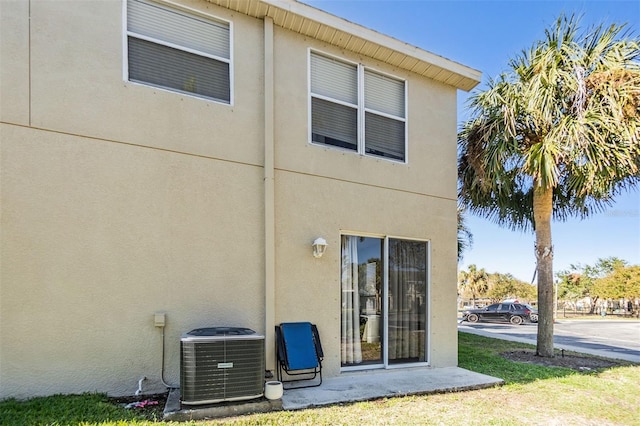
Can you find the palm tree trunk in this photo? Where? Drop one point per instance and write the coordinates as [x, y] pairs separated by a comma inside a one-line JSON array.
[[542, 210], [593, 305]]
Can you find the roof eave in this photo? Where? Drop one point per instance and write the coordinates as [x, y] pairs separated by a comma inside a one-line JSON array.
[[315, 23]]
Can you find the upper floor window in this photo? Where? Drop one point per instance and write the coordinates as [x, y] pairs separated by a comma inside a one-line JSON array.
[[178, 51], [356, 108]]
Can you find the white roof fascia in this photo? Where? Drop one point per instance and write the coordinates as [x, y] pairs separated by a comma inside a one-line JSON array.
[[403, 55]]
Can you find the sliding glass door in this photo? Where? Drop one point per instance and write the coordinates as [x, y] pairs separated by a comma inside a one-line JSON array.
[[407, 301], [384, 301], [362, 306]]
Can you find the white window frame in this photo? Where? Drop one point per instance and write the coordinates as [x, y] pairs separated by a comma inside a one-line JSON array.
[[360, 107], [188, 12]]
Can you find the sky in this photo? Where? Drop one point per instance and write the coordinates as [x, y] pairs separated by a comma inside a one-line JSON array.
[[485, 35]]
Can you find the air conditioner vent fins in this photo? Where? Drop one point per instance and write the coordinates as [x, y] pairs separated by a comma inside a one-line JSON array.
[[221, 364]]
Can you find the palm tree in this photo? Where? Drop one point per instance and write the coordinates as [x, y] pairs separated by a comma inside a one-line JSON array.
[[555, 137], [465, 238], [474, 281]]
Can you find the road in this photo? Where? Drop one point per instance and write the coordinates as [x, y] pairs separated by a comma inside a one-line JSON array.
[[607, 338]]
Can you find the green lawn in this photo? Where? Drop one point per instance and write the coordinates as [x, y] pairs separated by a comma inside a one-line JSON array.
[[532, 395]]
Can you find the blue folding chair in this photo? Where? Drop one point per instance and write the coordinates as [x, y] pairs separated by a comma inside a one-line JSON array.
[[299, 352]]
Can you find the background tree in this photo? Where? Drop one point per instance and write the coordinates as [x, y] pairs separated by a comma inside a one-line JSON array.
[[622, 283], [571, 285], [579, 280], [555, 136], [506, 286], [474, 282]]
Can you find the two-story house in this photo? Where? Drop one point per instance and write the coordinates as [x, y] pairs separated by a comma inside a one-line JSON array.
[[180, 157]]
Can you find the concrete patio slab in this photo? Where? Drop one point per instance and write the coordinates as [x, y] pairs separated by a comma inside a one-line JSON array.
[[374, 384], [348, 387]]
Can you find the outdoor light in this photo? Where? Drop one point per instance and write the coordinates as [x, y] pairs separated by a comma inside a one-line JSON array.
[[319, 246]]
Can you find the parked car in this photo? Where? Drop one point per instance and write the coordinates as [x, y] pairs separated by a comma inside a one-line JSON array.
[[515, 313]]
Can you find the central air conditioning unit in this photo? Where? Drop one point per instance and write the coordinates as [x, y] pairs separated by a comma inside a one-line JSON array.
[[221, 364]]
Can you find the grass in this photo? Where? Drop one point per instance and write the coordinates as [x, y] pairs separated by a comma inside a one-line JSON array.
[[66, 410], [532, 395], [481, 354]]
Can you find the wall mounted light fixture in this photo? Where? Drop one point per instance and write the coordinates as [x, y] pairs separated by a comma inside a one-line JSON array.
[[319, 246]]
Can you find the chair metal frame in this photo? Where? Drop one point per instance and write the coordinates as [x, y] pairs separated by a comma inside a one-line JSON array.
[[310, 371]]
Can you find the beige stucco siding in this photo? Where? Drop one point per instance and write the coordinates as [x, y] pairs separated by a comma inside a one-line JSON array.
[[14, 68], [309, 288], [120, 200], [77, 85], [431, 124], [323, 191], [97, 237]]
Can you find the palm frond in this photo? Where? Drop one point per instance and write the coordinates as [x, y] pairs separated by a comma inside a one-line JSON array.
[[566, 116]]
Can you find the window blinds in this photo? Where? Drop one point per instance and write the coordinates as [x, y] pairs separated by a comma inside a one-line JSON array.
[[169, 49], [176, 69], [170, 26], [334, 124], [338, 118], [334, 79], [384, 137], [383, 94]]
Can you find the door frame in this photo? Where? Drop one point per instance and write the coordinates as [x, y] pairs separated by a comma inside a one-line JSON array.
[[385, 303]]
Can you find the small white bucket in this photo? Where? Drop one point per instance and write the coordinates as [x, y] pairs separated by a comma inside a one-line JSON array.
[[273, 390]]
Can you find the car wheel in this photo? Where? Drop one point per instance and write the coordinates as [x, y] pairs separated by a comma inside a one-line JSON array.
[[516, 320], [472, 318], [534, 318]]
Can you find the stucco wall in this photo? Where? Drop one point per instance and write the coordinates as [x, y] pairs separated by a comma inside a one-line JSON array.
[[97, 237], [431, 124], [14, 68], [77, 85], [120, 200], [323, 191], [309, 288]]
